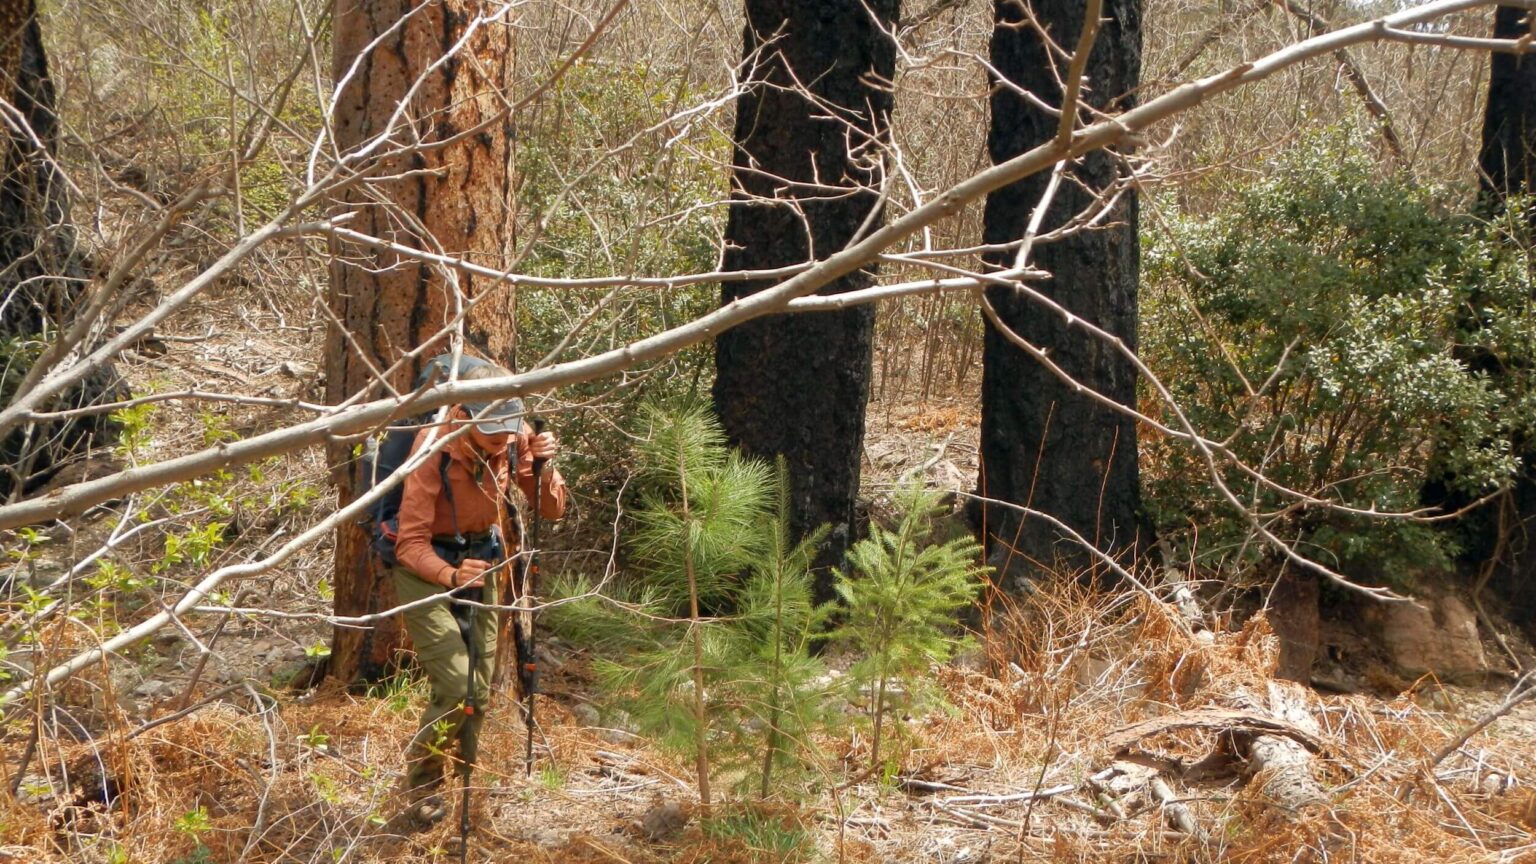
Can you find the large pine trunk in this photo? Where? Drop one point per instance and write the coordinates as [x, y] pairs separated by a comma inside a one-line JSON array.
[[1044, 445], [796, 385], [42, 275], [1507, 167], [451, 194], [1508, 159]]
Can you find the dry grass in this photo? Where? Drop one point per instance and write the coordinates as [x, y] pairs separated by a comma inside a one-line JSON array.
[[306, 779]]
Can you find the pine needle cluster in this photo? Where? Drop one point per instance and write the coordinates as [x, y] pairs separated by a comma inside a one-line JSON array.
[[707, 649], [902, 593]]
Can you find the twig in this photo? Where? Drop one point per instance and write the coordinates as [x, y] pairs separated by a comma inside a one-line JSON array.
[[1074, 80], [183, 712], [1523, 689], [202, 661], [1039, 794], [1174, 810]]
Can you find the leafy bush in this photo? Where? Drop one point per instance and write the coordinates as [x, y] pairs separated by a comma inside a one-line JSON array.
[[1324, 325], [605, 189]]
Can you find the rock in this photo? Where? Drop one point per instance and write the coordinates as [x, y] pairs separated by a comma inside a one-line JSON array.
[[664, 821], [948, 475], [547, 658], [1436, 634], [550, 839], [1294, 618], [153, 689], [290, 673], [34, 791], [585, 714], [617, 736], [882, 453]]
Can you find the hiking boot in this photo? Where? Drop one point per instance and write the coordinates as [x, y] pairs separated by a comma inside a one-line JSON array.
[[417, 816], [428, 812]]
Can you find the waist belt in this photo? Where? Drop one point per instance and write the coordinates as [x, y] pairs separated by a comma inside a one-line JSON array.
[[465, 540]]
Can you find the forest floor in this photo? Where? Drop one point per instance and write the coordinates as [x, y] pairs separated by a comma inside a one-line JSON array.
[[1086, 728]]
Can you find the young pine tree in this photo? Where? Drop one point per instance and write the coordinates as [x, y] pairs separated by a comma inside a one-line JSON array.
[[706, 649], [776, 621], [902, 595], [697, 531]]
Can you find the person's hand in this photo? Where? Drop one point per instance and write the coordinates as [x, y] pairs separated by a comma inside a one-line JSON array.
[[471, 573], [543, 445]]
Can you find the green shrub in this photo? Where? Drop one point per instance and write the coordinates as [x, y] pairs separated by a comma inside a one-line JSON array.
[[1322, 324], [650, 208]]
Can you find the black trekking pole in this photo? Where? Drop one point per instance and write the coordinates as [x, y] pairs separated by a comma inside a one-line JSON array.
[[464, 615], [527, 667]]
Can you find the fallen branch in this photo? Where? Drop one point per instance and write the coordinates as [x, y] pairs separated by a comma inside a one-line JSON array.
[[1226, 720], [1174, 811], [1280, 763]]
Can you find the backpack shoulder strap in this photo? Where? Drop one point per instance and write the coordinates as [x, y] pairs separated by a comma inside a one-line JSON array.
[[442, 471]]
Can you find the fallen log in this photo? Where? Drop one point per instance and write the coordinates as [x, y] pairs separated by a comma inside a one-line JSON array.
[[1275, 739], [1280, 763], [1235, 721]]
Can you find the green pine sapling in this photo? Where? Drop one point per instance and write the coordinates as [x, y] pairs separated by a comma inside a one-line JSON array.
[[777, 619], [902, 595], [699, 520], [706, 648]]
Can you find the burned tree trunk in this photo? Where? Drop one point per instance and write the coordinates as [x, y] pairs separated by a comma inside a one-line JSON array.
[[42, 275], [1507, 170], [1507, 162], [443, 183], [1044, 445], [806, 172]]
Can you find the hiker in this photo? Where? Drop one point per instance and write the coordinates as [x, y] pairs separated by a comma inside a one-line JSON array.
[[454, 512]]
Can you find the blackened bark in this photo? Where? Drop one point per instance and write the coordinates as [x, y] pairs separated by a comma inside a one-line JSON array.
[[42, 276], [804, 184], [1042, 444], [1507, 167], [1508, 159]]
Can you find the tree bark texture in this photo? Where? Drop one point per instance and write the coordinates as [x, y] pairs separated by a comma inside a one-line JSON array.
[[442, 183], [806, 172], [1280, 764], [42, 275], [1507, 165], [1042, 444]]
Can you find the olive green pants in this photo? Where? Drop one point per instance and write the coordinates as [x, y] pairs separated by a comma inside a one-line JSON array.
[[441, 651]]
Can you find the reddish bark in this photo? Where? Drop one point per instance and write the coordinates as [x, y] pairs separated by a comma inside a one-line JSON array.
[[451, 192]]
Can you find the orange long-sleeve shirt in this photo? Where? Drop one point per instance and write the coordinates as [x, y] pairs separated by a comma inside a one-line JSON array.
[[476, 479]]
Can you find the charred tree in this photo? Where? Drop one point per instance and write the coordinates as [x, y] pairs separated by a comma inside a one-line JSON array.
[[1507, 161], [42, 273], [1507, 170], [441, 182], [805, 180], [1044, 445]]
